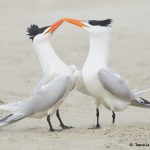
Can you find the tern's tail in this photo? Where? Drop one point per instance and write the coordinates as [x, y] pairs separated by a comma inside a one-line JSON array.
[[12, 118], [141, 92], [12, 106], [9, 107], [142, 103]]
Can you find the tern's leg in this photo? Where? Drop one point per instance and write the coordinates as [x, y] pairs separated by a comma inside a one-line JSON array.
[[97, 115], [61, 123], [113, 117], [97, 124], [50, 125]]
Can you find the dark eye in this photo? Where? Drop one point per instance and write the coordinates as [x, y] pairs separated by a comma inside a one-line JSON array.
[[41, 30]]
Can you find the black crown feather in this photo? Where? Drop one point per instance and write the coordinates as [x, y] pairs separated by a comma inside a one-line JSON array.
[[34, 30], [105, 23]]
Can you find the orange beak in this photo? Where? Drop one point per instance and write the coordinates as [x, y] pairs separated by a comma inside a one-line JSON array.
[[55, 26], [75, 22], [70, 20]]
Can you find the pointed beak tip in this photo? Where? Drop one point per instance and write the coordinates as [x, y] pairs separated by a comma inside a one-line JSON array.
[[54, 26], [76, 22]]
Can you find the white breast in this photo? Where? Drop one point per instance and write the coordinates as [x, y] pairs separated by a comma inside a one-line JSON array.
[[89, 74]]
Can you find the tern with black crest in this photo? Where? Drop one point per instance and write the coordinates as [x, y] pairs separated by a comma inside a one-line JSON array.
[[97, 79], [53, 88]]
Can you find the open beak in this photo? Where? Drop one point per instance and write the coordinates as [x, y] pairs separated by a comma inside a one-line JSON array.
[[70, 20], [75, 22], [55, 26]]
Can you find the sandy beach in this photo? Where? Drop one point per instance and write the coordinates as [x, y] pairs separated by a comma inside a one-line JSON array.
[[21, 71]]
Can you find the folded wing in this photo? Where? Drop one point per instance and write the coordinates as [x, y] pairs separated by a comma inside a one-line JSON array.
[[47, 96]]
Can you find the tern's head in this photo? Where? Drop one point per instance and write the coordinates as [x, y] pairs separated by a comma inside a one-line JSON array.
[[96, 27], [37, 34]]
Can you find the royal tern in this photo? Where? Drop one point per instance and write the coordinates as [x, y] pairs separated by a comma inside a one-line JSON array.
[[55, 85], [97, 79]]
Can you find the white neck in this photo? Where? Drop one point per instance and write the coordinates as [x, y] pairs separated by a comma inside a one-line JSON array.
[[46, 53], [98, 51]]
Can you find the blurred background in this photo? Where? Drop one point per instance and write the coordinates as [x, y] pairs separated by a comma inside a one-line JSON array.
[[20, 69], [129, 45]]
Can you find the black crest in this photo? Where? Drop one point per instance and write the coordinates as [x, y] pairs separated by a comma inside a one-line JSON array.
[[105, 23], [34, 30]]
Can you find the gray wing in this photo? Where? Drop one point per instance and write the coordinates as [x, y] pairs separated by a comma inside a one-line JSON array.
[[11, 118], [14, 106], [114, 84], [43, 80], [48, 95], [143, 103]]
